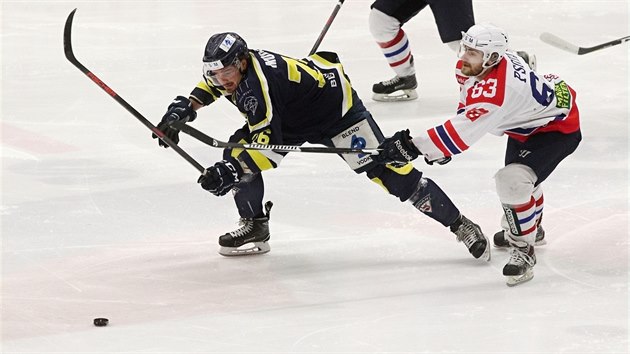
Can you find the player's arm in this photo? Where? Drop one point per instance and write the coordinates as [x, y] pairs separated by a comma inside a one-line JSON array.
[[460, 132]]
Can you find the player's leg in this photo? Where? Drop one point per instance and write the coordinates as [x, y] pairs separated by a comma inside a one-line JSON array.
[[386, 20], [253, 234], [452, 17], [405, 182], [528, 164]]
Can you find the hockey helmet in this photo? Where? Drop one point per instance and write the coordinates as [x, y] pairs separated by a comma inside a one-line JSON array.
[[488, 39], [223, 50]]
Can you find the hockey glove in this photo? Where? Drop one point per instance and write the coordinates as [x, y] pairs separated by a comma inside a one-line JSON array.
[[398, 148], [220, 178], [179, 110]]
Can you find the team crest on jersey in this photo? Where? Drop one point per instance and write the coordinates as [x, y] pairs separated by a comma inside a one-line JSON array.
[[250, 104]]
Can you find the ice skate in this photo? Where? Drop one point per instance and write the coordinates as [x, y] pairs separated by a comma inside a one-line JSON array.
[[520, 266], [400, 88], [530, 59], [501, 242], [470, 233], [251, 238]]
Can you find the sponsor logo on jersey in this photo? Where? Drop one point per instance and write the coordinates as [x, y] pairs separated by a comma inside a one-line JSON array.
[[563, 97]]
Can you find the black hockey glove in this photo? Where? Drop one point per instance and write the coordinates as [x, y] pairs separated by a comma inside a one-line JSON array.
[[440, 161], [179, 110], [398, 148], [220, 178]]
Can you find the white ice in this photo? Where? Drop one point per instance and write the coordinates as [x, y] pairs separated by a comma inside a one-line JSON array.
[[98, 221]]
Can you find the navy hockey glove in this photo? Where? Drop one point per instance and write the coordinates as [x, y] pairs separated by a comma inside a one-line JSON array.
[[398, 148], [220, 178], [179, 110], [440, 161]]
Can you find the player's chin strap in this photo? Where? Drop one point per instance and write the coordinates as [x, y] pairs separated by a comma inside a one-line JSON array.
[[208, 140]]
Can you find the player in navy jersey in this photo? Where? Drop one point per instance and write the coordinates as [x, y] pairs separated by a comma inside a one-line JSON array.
[[293, 101], [501, 94]]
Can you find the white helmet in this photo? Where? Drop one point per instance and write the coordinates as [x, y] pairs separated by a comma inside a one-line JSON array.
[[488, 39]]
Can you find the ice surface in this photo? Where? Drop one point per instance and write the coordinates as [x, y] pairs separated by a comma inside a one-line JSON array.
[[98, 221]]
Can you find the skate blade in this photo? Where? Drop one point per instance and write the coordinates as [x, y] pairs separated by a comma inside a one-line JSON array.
[[406, 95], [507, 247], [486, 253], [514, 280], [247, 249]]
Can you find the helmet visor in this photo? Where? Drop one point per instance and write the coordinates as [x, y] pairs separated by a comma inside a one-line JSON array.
[[215, 71]]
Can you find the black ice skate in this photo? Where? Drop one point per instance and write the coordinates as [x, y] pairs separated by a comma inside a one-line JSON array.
[[253, 232], [470, 233], [501, 242], [400, 88], [530, 59], [520, 266]]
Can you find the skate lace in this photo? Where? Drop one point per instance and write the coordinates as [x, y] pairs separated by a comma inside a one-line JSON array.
[[247, 226], [466, 233], [519, 257], [392, 81]]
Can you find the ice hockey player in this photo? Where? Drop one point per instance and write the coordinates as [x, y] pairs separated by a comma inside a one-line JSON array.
[[502, 95], [290, 101], [386, 20]]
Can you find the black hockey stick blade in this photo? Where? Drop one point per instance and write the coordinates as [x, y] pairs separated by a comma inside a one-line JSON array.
[[560, 43], [208, 140], [67, 47]]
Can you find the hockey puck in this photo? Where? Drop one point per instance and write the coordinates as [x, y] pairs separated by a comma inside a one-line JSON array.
[[101, 322]]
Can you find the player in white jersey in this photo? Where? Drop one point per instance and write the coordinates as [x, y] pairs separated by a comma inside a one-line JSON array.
[[500, 94]]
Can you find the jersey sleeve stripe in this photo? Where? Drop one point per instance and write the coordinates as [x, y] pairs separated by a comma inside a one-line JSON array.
[[447, 140], [456, 138], [437, 142]]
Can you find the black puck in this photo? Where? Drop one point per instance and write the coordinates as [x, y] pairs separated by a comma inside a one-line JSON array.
[[101, 322]]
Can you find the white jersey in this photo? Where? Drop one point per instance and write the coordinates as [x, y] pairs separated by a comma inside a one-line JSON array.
[[512, 100]]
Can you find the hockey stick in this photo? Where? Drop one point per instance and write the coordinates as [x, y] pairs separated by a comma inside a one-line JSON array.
[[277, 148], [558, 42], [326, 27], [67, 47]]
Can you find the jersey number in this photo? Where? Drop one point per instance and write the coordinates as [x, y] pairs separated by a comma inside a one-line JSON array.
[[486, 88], [543, 95], [296, 76]]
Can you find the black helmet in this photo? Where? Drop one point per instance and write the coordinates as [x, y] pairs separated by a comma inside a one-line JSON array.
[[224, 49]]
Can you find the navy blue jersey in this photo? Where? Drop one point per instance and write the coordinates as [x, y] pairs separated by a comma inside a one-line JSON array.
[[286, 101]]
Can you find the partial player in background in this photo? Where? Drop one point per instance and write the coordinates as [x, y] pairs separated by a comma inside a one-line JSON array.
[[291, 101], [387, 17], [452, 17], [538, 113]]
